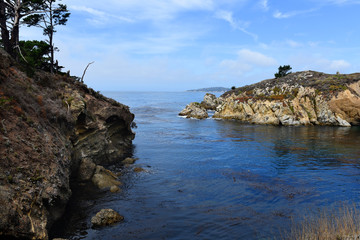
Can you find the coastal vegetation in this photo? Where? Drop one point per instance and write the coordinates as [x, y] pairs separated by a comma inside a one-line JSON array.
[[45, 14], [283, 71], [341, 223]]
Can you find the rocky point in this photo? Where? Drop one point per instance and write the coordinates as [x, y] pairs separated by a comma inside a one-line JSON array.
[[301, 98], [52, 129]]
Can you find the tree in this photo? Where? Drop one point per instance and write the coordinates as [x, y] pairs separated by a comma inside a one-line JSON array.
[[35, 54], [11, 12], [283, 71], [53, 15]]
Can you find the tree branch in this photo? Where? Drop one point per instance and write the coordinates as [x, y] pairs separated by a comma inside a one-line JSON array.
[[18, 47], [82, 78]]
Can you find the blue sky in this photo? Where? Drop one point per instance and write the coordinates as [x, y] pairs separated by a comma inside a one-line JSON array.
[[176, 45]]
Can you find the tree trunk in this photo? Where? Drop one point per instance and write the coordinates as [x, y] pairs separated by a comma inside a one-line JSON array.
[[14, 41], [51, 39], [4, 31]]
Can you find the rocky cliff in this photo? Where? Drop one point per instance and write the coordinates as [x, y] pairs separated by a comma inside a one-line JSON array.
[[302, 98], [49, 125]]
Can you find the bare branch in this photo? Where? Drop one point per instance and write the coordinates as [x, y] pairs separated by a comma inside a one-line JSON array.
[[82, 78], [18, 47]]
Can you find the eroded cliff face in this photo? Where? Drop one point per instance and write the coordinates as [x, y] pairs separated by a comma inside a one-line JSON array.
[[48, 125], [303, 98]]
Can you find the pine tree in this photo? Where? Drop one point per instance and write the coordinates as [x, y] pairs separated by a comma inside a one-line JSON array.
[[53, 15], [283, 71]]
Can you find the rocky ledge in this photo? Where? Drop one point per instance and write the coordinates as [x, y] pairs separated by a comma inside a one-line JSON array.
[[52, 129], [301, 98]]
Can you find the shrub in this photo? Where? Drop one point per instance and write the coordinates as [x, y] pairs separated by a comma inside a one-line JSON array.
[[283, 71]]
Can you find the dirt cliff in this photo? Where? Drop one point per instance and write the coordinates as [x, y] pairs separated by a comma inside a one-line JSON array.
[[48, 125]]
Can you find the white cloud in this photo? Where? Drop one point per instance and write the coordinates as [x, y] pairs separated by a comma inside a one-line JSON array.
[[339, 65], [293, 43], [100, 17], [319, 63], [339, 2], [139, 10], [246, 61], [236, 24], [255, 58], [279, 15], [264, 5]]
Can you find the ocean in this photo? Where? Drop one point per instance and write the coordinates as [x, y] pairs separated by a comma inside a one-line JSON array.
[[220, 179]]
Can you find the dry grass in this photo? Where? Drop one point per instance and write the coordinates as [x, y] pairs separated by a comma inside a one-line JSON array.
[[340, 224]]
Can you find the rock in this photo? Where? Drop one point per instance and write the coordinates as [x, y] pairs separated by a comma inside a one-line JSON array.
[[194, 110], [139, 169], [104, 178], [106, 217], [86, 170], [114, 189], [128, 161], [51, 125], [210, 102], [303, 98]]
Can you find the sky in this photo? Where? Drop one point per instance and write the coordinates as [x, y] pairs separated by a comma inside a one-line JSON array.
[[177, 45]]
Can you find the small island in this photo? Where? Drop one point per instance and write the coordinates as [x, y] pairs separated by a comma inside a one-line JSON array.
[[210, 89]]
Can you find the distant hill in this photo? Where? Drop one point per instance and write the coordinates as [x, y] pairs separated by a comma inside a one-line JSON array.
[[210, 89]]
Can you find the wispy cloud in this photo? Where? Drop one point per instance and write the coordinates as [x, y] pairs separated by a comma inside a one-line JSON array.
[[246, 60], [280, 15], [264, 5], [100, 16], [236, 24], [339, 2]]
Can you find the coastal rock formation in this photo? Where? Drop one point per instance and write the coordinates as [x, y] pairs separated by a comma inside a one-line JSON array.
[[106, 217], [302, 98], [210, 101], [49, 126], [194, 110]]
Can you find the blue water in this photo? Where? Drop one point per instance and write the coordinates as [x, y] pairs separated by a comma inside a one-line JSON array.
[[214, 179]]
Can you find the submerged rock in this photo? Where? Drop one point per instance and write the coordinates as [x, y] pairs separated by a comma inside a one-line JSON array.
[[194, 110], [106, 217]]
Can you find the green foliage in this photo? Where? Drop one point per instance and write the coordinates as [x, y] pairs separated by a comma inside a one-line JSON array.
[[35, 54], [283, 71], [52, 15], [233, 88]]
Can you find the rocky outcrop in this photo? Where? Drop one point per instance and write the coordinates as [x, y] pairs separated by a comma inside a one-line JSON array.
[[50, 125], [106, 217], [194, 110], [210, 101], [302, 98]]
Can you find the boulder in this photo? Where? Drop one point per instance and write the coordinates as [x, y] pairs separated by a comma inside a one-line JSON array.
[[106, 217], [210, 101], [194, 110], [128, 161], [104, 178]]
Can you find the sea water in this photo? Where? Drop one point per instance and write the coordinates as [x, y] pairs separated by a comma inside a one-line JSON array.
[[221, 179]]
